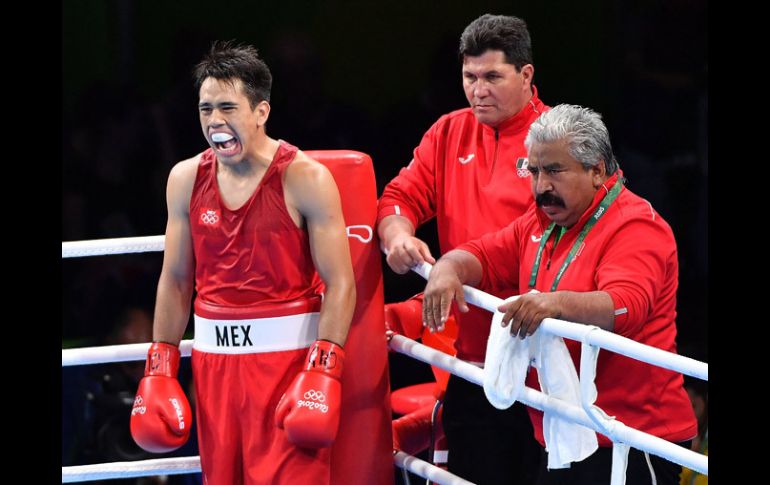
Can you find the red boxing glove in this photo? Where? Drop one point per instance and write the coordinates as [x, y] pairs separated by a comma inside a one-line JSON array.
[[161, 417], [309, 410]]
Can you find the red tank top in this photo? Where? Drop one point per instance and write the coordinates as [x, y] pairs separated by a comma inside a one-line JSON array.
[[254, 255]]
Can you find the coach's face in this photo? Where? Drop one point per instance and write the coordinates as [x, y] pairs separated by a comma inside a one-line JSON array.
[[495, 89], [562, 187]]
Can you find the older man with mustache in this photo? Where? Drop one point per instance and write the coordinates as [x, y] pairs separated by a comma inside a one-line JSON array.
[[598, 254]]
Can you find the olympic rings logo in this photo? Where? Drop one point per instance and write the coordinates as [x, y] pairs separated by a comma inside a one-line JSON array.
[[315, 395], [209, 217]]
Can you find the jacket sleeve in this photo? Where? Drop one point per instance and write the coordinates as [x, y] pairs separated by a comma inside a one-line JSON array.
[[412, 193], [639, 270]]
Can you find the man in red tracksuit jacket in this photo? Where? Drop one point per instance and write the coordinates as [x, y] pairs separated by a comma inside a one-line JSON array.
[[600, 255], [468, 173]]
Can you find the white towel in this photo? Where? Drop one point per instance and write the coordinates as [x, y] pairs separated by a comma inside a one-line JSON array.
[[505, 370], [505, 365]]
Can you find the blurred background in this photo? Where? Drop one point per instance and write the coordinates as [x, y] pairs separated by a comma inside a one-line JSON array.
[[367, 76]]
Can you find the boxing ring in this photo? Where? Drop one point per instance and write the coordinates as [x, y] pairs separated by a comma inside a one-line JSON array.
[[592, 338]]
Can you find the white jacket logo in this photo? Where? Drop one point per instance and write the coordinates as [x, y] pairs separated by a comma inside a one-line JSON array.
[[521, 167], [466, 159]]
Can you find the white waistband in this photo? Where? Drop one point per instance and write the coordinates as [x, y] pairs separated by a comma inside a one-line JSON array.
[[254, 335]]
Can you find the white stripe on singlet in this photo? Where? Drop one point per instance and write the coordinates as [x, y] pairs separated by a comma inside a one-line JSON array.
[[255, 335]]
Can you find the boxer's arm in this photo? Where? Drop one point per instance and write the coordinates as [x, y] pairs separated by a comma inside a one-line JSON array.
[[161, 415], [309, 410], [175, 286], [312, 191]]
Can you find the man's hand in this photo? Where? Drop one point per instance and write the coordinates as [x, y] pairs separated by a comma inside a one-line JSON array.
[[406, 251], [444, 285], [309, 410], [526, 313], [161, 416]]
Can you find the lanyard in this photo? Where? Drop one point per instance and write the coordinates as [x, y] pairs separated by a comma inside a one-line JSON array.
[[600, 211]]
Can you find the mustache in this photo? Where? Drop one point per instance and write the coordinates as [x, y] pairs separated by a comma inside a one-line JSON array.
[[548, 198]]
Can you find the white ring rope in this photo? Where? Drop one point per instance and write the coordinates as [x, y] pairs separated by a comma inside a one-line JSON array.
[[431, 356], [131, 469], [543, 402], [121, 245], [584, 333], [562, 328], [113, 353], [590, 415], [591, 335], [426, 470], [134, 352], [192, 464]]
